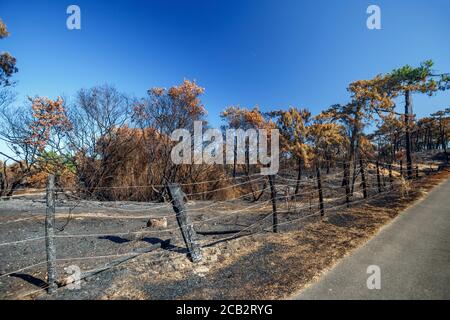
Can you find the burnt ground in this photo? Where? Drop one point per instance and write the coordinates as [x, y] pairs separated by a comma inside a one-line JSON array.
[[257, 265]]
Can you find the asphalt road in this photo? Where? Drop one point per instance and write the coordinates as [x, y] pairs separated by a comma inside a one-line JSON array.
[[412, 252]]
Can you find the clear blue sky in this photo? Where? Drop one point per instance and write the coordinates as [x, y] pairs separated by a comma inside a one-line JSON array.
[[249, 52]]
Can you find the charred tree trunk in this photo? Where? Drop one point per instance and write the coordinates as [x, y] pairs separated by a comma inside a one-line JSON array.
[[355, 175], [363, 177], [319, 188], [443, 140], [347, 184], [13, 187], [391, 181], [328, 164], [354, 147], [408, 115], [378, 176], [273, 193]]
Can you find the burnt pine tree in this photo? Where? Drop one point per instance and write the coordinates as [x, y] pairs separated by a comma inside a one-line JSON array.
[[408, 80], [294, 129], [442, 118]]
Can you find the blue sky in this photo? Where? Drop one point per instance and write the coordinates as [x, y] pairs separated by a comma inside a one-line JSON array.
[[250, 52]]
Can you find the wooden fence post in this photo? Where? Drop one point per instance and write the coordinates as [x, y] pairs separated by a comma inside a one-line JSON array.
[[273, 193], [378, 176], [49, 235], [184, 222], [390, 177], [2, 183], [319, 187], [363, 177], [234, 156]]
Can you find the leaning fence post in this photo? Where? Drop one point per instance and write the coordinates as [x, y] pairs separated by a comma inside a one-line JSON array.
[[49, 235], [185, 224], [319, 187], [274, 204]]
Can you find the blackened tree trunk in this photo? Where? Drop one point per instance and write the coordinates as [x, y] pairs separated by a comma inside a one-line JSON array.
[[443, 139], [299, 177], [355, 175], [247, 159], [391, 180], [328, 164], [319, 188], [408, 115], [363, 177], [13, 187], [347, 183], [273, 193], [354, 146], [378, 176]]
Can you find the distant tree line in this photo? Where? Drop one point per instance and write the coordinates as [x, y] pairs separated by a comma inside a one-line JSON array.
[[108, 145]]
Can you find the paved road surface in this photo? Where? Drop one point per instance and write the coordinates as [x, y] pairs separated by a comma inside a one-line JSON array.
[[413, 253]]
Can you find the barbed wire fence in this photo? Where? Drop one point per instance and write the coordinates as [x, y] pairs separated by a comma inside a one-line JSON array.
[[319, 194]]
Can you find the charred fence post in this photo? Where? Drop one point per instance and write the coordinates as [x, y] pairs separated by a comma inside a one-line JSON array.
[[2, 183], [185, 224], [319, 188], [363, 177], [234, 156], [273, 193], [390, 177], [378, 176], [417, 171], [50, 235]]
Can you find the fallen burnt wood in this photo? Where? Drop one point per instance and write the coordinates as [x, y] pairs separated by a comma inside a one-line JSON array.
[[134, 254]]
